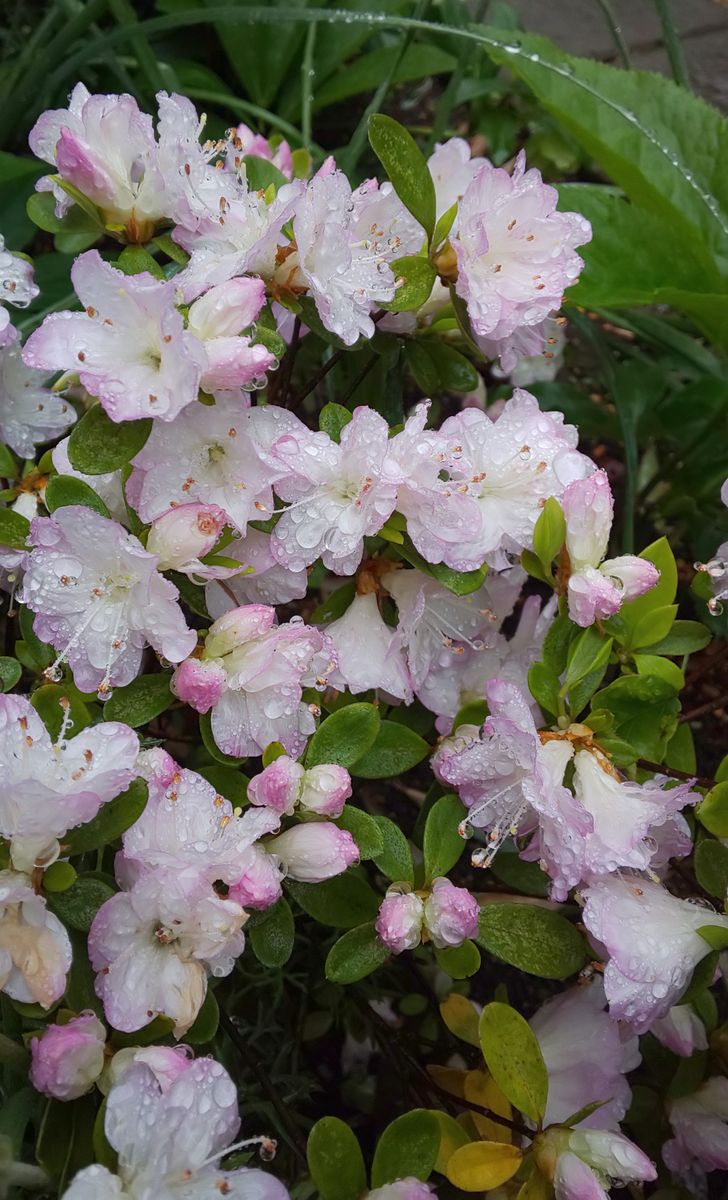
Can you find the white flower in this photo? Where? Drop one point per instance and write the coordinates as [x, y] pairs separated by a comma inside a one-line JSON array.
[[35, 952], [29, 413]]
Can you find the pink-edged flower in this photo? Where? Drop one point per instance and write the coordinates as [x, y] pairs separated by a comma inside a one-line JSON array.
[[35, 951], [266, 666], [681, 1031], [261, 580], [129, 347], [108, 486], [169, 1140], [166, 1063], [512, 782], [717, 569], [451, 914], [339, 494], [187, 825], [154, 946], [181, 537], [402, 1189], [591, 1158], [200, 682], [368, 651], [400, 920], [51, 788], [652, 941], [260, 884], [497, 476], [68, 1059], [700, 1132], [29, 412], [99, 599], [219, 455], [244, 142], [516, 254], [217, 319], [314, 851], [285, 785], [587, 1056], [17, 285], [452, 170], [598, 589], [341, 261]]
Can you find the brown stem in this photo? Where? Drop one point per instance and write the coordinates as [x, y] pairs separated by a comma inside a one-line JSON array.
[[289, 358], [673, 773], [329, 365], [368, 366], [703, 709]]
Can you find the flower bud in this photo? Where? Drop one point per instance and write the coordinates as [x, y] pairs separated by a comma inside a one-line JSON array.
[[260, 884], [238, 626], [184, 534], [399, 923], [451, 914], [278, 786], [315, 851], [227, 309], [325, 789], [200, 682], [166, 1063], [68, 1059]]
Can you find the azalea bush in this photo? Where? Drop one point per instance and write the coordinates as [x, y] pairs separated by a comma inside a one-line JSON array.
[[365, 818]]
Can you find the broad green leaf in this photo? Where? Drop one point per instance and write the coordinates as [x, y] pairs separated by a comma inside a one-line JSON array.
[[555, 650], [272, 751], [513, 1057], [272, 933], [139, 701], [113, 819], [344, 736], [659, 142], [414, 278], [715, 935], [228, 781], [645, 710], [520, 876], [18, 175], [261, 173], [654, 626], [99, 445], [364, 73], [534, 939], [342, 902], [395, 861], [545, 687], [14, 529], [443, 367], [364, 830], [10, 672], [662, 668], [587, 653], [332, 419], [55, 701], [41, 654], [396, 749], [442, 844], [711, 868], [206, 1023], [460, 962], [461, 583], [77, 906], [335, 1160], [712, 812], [405, 165], [59, 877], [355, 955], [549, 533], [452, 1137], [135, 260], [407, 1148], [480, 1166], [461, 1018], [685, 637]]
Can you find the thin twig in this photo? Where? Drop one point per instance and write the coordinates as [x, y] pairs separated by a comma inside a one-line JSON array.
[[289, 358], [329, 365], [673, 773], [616, 31], [368, 366], [702, 709]]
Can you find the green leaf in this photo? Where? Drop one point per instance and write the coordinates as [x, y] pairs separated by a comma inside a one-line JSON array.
[[364, 830], [545, 687], [355, 955], [461, 1018], [420, 362], [442, 844], [395, 750], [335, 1160], [549, 533], [513, 1057], [395, 861], [134, 260], [534, 939], [658, 141], [10, 672], [228, 781], [342, 902], [715, 935], [272, 933], [645, 710], [408, 1148], [587, 653], [652, 664], [444, 225], [261, 173], [112, 820], [472, 713], [555, 650], [455, 372], [98, 445], [654, 626], [332, 419], [41, 654], [205, 1024], [14, 529], [344, 736], [520, 876], [139, 701], [685, 637], [405, 165], [59, 877], [459, 962], [366, 71], [711, 867], [460, 583], [54, 701], [77, 905], [712, 812], [414, 278]]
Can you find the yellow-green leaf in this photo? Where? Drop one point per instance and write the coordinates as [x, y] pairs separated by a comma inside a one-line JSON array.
[[483, 1165], [513, 1057]]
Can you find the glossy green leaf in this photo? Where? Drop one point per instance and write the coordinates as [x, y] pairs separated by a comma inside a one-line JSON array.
[[206, 1023], [513, 1057], [55, 701], [405, 165], [332, 419], [99, 445], [711, 868], [460, 962], [442, 844], [549, 533], [77, 906], [14, 529], [113, 819], [140, 701], [10, 672], [342, 902], [408, 1148], [364, 830], [534, 939], [395, 750], [395, 861], [355, 955], [712, 812], [335, 1160], [271, 934], [344, 736], [414, 280]]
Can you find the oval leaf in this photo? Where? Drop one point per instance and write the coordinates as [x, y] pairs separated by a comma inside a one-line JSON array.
[[442, 844], [98, 444], [480, 1166], [335, 1160], [342, 902], [532, 938], [405, 165], [111, 821], [64, 490], [395, 750], [140, 701], [344, 736], [272, 933], [408, 1147], [355, 955], [395, 861], [513, 1057]]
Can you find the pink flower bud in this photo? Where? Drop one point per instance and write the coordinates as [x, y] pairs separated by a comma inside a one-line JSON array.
[[238, 626], [399, 923], [200, 682], [278, 786], [325, 790], [227, 309], [68, 1059], [316, 851], [166, 1063], [185, 534], [260, 884], [451, 914]]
